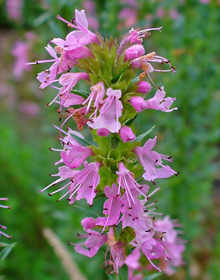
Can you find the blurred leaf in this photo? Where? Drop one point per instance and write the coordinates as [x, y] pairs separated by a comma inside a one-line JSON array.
[[87, 212], [153, 276], [42, 19], [81, 141], [4, 253], [140, 137]]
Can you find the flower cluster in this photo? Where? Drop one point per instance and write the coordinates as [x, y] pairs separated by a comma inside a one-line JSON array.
[[1, 226], [116, 164]]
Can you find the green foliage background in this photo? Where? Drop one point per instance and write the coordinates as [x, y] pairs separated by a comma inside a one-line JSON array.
[[191, 135]]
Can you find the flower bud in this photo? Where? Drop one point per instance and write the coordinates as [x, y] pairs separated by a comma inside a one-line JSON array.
[[126, 134], [138, 103], [143, 87], [134, 52], [104, 132]]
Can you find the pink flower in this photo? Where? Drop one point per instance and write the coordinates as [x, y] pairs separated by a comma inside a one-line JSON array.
[[74, 154], [150, 159], [112, 207], [68, 81], [94, 239], [117, 251], [127, 182], [14, 9], [138, 103], [143, 87], [158, 102], [128, 16], [172, 243], [126, 134], [85, 183], [21, 53], [103, 132], [96, 95], [134, 52], [109, 113]]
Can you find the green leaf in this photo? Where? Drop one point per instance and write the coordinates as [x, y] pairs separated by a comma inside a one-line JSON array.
[[118, 230], [153, 276], [135, 80], [110, 277], [4, 253], [87, 212], [42, 18], [81, 141], [81, 93], [130, 121], [140, 137]]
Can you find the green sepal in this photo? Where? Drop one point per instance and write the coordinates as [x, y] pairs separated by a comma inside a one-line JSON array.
[[127, 235], [106, 178], [141, 137], [118, 229]]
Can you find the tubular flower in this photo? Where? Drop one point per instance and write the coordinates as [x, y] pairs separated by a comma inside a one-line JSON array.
[[112, 207], [150, 159], [85, 183], [94, 239], [172, 243], [109, 113]]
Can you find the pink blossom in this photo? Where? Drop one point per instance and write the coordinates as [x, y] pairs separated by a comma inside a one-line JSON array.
[[174, 14], [138, 103], [14, 9], [112, 207], [172, 243], [96, 96], [117, 251], [73, 154], [132, 262], [143, 87], [89, 6], [21, 53], [134, 52], [85, 183], [94, 239], [29, 108], [109, 113], [68, 81], [126, 134], [160, 12], [150, 159], [127, 182], [204, 1], [103, 132], [129, 17], [158, 102]]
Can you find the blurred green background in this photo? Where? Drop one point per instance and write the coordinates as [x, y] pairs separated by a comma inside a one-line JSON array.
[[190, 39]]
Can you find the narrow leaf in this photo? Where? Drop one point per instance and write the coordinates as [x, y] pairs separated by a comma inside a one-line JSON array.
[[87, 212], [81, 141], [140, 137], [135, 80], [81, 93], [153, 276], [4, 253]]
